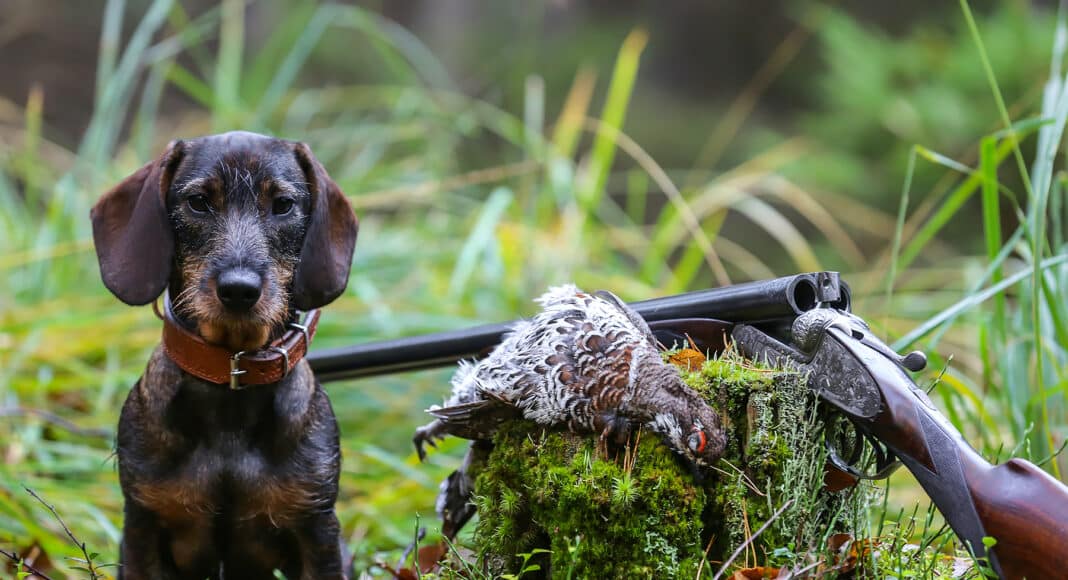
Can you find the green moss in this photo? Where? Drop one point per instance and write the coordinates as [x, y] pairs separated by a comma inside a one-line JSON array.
[[775, 439], [639, 512], [599, 517]]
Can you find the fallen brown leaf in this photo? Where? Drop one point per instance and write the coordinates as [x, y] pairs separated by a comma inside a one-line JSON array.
[[843, 562], [756, 573], [429, 556], [36, 559], [688, 359], [835, 479]]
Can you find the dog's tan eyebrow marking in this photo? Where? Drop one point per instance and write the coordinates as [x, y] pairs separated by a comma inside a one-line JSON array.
[[208, 186], [196, 183], [280, 185]]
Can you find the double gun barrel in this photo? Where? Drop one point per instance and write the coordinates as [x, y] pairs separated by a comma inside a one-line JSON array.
[[772, 304]]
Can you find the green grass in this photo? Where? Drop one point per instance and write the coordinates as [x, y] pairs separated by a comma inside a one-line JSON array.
[[467, 212]]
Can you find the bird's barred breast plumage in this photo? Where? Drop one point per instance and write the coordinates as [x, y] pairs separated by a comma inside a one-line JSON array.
[[570, 361], [586, 361]]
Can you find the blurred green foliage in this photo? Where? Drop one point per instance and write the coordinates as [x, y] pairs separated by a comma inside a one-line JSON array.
[[471, 204], [880, 94]]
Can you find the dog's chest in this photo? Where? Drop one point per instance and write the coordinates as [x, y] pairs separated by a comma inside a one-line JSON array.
[[225, 457]]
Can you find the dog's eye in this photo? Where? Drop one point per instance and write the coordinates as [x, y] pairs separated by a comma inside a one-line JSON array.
[[282, 205], [198, 203]]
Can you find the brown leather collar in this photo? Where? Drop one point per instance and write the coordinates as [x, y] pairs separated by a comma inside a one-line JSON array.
[[241, 369]]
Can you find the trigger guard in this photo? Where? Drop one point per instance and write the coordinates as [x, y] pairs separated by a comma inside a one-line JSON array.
[[885, 460], [842, 465]]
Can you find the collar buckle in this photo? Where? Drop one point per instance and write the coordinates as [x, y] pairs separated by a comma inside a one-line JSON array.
[[285, 359], [235, 371], [303, 328]]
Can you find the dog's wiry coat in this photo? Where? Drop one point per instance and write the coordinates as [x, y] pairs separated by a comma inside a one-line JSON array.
[[224, 483]]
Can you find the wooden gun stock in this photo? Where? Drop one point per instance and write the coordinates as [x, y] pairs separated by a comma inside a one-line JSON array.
[[1022, 507]]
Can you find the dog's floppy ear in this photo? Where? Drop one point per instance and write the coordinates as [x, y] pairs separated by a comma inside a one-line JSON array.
[[133, 238], [326, 258]]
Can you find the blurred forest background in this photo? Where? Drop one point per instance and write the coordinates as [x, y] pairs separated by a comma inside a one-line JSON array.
[[494, 148]]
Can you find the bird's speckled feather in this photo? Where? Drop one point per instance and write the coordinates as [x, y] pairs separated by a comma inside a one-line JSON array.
[[587, 362]]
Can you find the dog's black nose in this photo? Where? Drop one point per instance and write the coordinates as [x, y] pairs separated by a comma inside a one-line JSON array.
[[238, 289]]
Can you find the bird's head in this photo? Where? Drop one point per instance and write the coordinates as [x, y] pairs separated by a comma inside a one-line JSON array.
[[705, 440], [696, 435]]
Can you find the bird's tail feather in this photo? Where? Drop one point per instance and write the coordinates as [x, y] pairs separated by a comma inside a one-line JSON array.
[[461, 412]]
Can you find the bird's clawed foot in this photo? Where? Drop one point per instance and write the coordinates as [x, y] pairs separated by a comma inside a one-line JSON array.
[[428, 434], [614, 429]]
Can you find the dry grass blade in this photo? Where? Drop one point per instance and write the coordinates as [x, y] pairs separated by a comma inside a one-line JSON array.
[[569, 125], [424, 192], [57, 421], [766, 217], [663, 181], [750, 539], [743, 259], [742, 106], [801, 201]]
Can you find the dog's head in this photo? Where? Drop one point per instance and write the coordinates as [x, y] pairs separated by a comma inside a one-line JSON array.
[[240, 226]]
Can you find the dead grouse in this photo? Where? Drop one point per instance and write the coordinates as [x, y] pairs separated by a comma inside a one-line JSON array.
[[587, 362]]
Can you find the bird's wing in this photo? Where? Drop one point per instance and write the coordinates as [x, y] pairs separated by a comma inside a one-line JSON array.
[[635, 318], [604, 361], [592, 356]]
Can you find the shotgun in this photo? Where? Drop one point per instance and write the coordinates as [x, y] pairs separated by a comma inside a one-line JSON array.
[[769, 304], [804, 321], [1021, 507]]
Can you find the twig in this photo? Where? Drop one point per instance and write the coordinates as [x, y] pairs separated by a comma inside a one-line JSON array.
[[1053, 455], [93, 573], [704, 557], [461, 559], [55, 420], [745, 478], [800, 573], [750, 539], [420, 533], [21, 563], [941, 374], [748, 534]]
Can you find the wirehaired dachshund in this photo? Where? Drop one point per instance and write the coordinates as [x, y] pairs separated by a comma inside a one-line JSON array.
[[227, 446]]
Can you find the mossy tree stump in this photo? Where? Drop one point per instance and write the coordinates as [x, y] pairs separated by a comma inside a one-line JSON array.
[[575, 509]]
